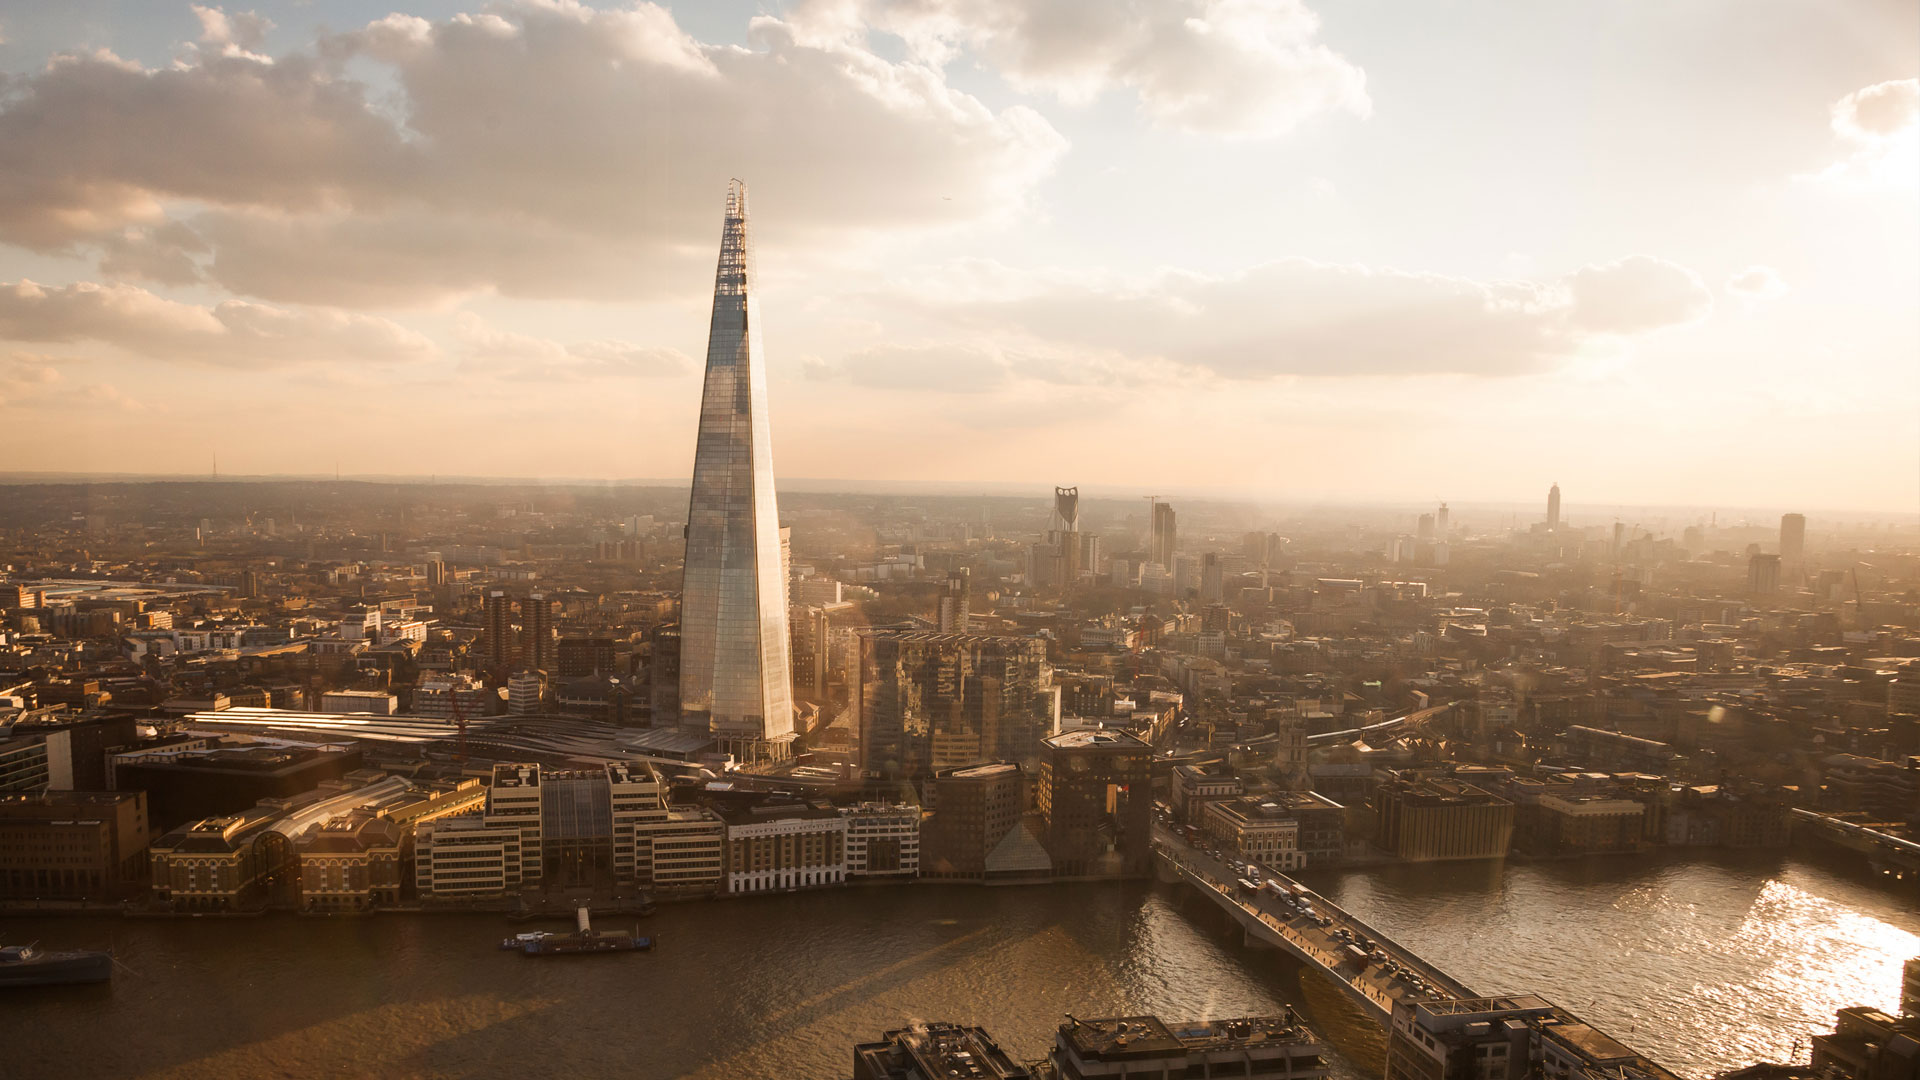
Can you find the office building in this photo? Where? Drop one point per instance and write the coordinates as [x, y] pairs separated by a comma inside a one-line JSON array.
[[488, 854], [439, 697], [1255, 1048], [1868, 1044], [1553, 508], [1440, 523], [1095, 796], [72, 845], [1055, 561], [1504, 1038], [359, 701], [1212, 578], [354, 862], [581, 656], [187, 785], [635, 805], [780, 847], [1255, 831], [603, 828], [497, 640], [1432, 819], [688, 848], [735, 673], [1297, 829], [926, 700], [249, 861], [956, 602], [974, 809], [1763, 574], [883, 840], [663, 676], [1192, 787], [526, 693], [25, 764], [1162, 538], [537, 645], [936, 1051]]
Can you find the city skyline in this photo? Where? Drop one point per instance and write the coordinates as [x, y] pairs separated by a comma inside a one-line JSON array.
[[1694, 295]]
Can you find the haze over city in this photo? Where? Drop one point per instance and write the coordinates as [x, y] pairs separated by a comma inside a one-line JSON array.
[[1154, 538], [1662, 254]]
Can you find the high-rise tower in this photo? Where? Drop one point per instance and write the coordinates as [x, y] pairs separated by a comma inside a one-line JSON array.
[[735, 673], [1553, 507], [1161, 535]]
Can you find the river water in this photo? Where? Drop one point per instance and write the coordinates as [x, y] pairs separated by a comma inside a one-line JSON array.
[[1708, 963]]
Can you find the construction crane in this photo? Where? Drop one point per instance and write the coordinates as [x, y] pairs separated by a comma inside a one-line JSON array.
[[459, 719]]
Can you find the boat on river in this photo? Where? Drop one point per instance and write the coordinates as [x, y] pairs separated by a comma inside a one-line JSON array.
[[30, 965]]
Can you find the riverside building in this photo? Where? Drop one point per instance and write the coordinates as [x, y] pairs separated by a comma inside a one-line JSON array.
[[1095, 794], [605, 828], [1431, 819], [1256, 1048], [883, 840], [779, 847]]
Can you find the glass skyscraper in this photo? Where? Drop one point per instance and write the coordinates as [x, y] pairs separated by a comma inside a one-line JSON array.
[[735, 678]]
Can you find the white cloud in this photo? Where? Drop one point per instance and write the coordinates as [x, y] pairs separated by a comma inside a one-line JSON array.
[[1757, 284], [947, 368], [233, 333], [24, 376], [1240, 68], [1299, 317], [543, 149], [1880, 111], [510, 355], [1878, 128]]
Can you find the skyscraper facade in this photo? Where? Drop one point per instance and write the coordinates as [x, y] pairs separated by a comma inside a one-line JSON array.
[[1056, 560], [1793, 538], [497, 620], [735, 671], [956, 602], [1553, 507], [1161, 540], [537, 644]]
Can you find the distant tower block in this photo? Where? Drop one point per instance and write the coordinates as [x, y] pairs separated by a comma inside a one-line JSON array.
[[1553, 507], [956, 602], [735, 666]]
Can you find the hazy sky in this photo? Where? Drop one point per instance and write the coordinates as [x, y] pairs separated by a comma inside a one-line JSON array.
[[1656, 251]]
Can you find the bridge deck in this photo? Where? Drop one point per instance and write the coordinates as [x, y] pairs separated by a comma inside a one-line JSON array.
[[1372, 968]]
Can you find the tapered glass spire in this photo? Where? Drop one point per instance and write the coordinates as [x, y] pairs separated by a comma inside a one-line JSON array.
[[735, 678]]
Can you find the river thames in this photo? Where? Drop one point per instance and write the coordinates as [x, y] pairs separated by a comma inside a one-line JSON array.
[[1704, 964]]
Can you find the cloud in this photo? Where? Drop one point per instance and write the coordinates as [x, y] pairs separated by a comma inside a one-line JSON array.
[[241, 34], [1757, 284], [1880, 111], [506, 354], [545, 149], [945, 367], [1239, 68], [24, 376], [1299, 317], [233, 333], [1878, 128], [1634, 295]]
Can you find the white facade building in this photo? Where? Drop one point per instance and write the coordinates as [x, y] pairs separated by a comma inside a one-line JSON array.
[[883, 840]]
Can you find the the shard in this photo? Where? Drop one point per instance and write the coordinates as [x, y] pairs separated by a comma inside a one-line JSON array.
[[735, 678]]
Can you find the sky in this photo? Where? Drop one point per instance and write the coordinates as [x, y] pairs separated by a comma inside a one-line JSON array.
[[1661, 253]]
